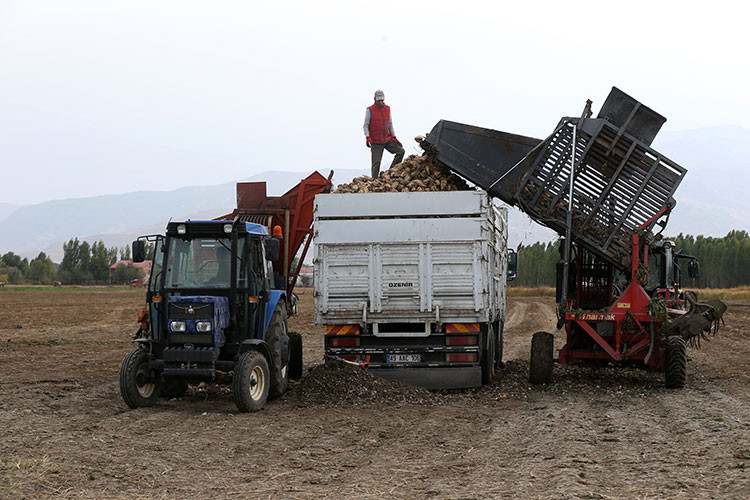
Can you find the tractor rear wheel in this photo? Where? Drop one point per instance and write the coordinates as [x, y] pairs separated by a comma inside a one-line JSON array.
[[250, 382], [295, 355], [138, 386], [488, 356], [273, 337], [675, 371], [540, 363]]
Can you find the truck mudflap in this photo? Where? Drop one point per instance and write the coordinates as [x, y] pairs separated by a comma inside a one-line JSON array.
[[456, 377]]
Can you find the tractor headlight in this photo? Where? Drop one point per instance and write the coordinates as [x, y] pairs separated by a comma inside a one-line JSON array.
[[178, 326], [203, 326]]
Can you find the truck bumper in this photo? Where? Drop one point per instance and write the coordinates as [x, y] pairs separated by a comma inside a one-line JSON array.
[[459, 377]]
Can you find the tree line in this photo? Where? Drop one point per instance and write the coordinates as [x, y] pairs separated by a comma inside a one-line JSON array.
[[82, 264], [724, 262]]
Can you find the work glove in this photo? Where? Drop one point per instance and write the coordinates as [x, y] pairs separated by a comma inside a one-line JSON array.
[[397, 141], [368, 141]]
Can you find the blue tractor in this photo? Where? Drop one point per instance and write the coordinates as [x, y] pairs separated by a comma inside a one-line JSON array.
[[217, 302]]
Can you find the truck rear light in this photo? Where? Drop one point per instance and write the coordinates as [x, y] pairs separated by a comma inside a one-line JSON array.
[[461, 340], [461, 357], [343, 341]]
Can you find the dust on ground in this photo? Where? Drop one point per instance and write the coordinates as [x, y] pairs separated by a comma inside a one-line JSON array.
[[592, 433]]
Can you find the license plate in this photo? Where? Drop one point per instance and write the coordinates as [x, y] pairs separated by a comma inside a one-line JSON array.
[[404, 358]]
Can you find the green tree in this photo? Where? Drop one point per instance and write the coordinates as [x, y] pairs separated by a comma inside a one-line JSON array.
[[124, 274], [40, 270]]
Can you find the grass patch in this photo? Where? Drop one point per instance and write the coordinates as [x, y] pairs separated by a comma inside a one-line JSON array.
[[48, 288], [740, 294], [536, 291]]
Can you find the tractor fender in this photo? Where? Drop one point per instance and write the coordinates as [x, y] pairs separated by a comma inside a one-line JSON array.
[[256, 345]]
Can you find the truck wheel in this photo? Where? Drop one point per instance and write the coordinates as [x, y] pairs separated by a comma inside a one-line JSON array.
[[276, 331], [250, 382], [174, 388], [295, 355], [540, 365], [137, 387], [488, 356], [676, 365], [499, 348]]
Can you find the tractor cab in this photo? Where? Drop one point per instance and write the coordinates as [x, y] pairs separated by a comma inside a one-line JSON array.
[[665, 267]]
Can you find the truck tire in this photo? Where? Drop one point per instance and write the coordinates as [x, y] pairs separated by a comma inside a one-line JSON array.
[[499, 349], [136, 388], [250, 383], [675, 370], [295, 355], [540, 363], [273, 337], [488, 356], [174, 388]]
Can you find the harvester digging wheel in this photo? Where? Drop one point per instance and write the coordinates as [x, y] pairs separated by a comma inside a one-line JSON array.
[[488, 356], [540, 366], [676, 366], [250, 382], [137, 387], [295, 355]]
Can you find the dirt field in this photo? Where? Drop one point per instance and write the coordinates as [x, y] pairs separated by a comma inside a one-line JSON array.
[[66, 433]]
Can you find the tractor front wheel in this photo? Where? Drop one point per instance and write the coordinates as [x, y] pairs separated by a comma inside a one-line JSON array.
[[540, 363], [139, 387], [250, 382], [676, 367]]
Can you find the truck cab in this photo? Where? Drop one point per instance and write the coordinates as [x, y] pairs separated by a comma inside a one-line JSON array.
[[214, 304]]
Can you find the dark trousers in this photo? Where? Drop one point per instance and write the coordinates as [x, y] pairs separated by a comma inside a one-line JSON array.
[[377, 154]]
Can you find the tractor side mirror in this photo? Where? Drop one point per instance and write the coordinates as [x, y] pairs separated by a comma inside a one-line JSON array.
[[694, 268], [512, 265], [139, 251], [272, 249]]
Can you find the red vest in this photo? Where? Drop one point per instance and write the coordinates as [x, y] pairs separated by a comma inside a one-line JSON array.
[[380, 119]]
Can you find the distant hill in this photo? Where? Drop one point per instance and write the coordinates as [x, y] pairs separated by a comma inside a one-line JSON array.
[[712, 200], [6, 209]]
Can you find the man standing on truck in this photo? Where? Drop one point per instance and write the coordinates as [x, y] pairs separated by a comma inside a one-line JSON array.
[[379, 133]]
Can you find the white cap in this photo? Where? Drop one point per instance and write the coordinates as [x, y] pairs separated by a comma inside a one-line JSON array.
[[379, 95]]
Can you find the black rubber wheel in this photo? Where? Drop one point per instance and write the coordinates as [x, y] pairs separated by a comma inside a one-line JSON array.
[[279, 366], [138, 387], [174, 388], [250, 383], [499, 347], [540, 363], [488, 356], [675, 371], [295, 355]]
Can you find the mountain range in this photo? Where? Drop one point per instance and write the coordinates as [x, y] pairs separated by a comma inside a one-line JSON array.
[[712, 200]]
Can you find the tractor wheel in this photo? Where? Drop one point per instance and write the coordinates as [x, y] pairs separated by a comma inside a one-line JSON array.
[[250, 382], [295, 355], [273, 337], [137, 386], [675, 370], [540, 366], [174, 388], [488, 356]]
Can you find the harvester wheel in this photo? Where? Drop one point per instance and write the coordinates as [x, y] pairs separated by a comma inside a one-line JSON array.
[[174, 388], [295, 355], [676, 366], [138, 387], [488, 356], [279, 372], [540, 366], [250, 382]]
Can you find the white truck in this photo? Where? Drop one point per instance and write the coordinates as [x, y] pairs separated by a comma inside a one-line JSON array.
[[412, 285]]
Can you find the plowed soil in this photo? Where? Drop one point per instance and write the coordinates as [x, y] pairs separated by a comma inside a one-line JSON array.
[[340, 433]]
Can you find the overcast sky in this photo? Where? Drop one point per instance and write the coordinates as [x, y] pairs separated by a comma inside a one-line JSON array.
[[102, 97]]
